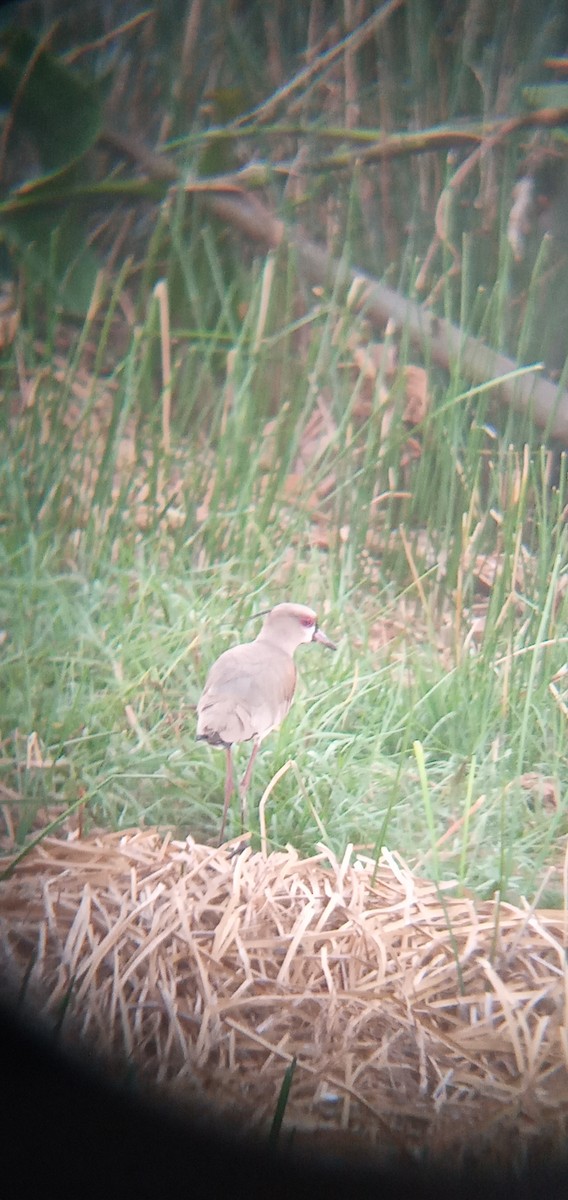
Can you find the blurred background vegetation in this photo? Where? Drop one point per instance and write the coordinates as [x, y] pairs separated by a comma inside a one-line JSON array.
[[191, 432]]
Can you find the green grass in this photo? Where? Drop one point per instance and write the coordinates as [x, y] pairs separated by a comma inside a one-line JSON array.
[[125, 571], [110, 629]]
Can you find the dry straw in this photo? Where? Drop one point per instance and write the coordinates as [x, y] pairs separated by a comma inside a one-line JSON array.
[[420, 1022]]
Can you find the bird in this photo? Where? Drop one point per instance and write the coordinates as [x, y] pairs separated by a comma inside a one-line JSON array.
[[250, 688]]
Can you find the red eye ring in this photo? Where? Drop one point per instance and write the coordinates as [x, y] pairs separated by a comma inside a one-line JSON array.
[[307, 622]]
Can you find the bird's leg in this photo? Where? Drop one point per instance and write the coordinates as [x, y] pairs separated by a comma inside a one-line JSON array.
[[229, 785], [244, 785]]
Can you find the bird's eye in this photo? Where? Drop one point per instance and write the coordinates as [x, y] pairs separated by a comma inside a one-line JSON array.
[[307, 622]]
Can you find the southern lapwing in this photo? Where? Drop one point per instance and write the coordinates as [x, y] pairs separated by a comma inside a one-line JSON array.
[[250, 688]]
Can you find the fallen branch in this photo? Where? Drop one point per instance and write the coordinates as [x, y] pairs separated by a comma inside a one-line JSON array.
[[441, 137], [438, 338], [441, 341]]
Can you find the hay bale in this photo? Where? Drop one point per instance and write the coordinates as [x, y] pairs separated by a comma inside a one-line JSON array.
[[419, 1021]]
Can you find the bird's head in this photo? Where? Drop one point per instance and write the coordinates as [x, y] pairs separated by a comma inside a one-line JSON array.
[[288, 625]]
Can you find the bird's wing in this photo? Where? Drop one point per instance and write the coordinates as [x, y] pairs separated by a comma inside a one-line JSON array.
[[246, 695]]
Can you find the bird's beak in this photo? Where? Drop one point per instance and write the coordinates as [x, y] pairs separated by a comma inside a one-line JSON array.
[[320, 636]]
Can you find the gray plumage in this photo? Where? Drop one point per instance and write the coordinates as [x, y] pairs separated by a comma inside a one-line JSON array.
[[250, 687]]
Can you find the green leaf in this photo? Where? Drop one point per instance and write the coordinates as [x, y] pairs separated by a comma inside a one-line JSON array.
[[281, 1103], [55, 256], [48, 102]]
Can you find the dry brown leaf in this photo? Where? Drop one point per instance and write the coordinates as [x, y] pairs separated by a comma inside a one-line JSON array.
[[374, 358], [485, 569], [411, 451], [368, 400], [488, 567], [29, 752], [293, 487], [417, 395], [543, 790]]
